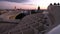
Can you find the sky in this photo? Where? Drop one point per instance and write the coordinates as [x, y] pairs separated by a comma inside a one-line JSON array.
[[26, 4]]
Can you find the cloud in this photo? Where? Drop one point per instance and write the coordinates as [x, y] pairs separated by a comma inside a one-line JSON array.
[[18, 1]]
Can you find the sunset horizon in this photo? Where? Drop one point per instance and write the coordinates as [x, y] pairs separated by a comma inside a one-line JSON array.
[[12, 5], [26, 4]]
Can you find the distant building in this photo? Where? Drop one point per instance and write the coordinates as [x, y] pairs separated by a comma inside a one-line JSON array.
[[38, 7], [38, 10], [15, 8], [33, 11]]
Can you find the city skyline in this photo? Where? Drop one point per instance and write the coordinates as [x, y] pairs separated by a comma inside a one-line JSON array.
[[26, 4]]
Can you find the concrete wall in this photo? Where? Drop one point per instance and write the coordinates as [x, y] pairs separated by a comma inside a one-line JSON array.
[[54, 16], [54, 13]]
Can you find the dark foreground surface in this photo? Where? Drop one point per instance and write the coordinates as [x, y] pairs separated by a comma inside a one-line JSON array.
[[31, 24]]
